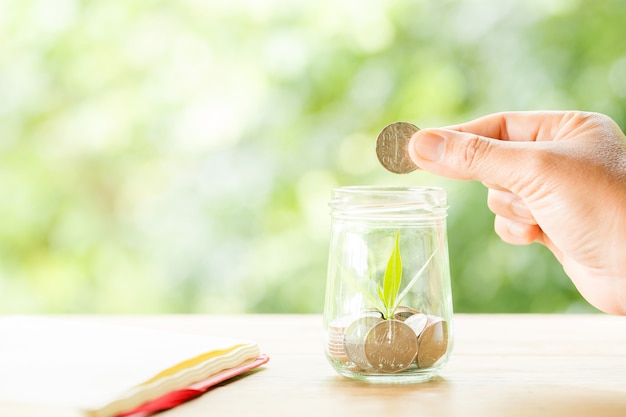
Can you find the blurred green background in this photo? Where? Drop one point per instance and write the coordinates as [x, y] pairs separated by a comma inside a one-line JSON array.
[[178, 156]]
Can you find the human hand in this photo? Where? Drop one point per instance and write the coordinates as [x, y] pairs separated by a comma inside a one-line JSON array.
[[557, 178]]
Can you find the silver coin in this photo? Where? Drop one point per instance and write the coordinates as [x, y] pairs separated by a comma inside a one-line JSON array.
[[372, 312], [390, 346], [392, 147], [354, 340], [432, 342], [417, 322], [403, 312], [336, 331]]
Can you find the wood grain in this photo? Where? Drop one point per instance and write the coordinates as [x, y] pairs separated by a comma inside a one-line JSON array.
[[501, 365]]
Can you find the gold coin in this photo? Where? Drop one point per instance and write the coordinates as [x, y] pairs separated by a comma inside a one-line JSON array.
[[354, 340], [432, 342], [390, 346], [392, 147]]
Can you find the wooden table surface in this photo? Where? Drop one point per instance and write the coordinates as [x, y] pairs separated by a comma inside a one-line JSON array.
[[501, 365]]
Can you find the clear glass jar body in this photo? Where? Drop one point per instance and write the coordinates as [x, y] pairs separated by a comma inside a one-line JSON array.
[[388, 308]]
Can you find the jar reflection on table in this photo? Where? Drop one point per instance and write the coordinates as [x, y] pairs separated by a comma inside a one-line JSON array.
[[388, 309]]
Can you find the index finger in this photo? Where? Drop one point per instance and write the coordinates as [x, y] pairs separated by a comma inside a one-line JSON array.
[[518, 126]]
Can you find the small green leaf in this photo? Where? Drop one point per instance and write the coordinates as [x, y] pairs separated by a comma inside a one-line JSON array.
[[381, 295], [392, 280]]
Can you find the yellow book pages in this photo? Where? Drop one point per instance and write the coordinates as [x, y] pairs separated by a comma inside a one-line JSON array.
[[96, 369]]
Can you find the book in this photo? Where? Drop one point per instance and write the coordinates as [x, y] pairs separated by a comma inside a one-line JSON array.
[[66, 367]]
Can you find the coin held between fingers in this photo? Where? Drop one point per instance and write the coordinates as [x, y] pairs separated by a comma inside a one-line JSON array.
[[392, 147]]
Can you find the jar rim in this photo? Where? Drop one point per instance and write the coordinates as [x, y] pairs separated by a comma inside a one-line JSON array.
[[388, 189], [388, 200]]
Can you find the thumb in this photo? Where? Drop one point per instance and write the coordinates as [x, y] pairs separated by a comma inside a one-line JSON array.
[[468, 156]]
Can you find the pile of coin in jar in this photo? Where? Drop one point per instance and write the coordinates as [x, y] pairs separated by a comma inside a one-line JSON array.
[[369, 343]]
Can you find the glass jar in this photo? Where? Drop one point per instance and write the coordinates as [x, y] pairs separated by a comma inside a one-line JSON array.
[[388, 309]]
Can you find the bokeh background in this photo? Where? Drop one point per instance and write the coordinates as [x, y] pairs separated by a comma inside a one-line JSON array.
[[161, 156]]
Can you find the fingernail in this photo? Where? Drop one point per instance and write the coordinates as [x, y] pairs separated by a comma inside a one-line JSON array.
[[518, 229], [430, 146], [521, 210]]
